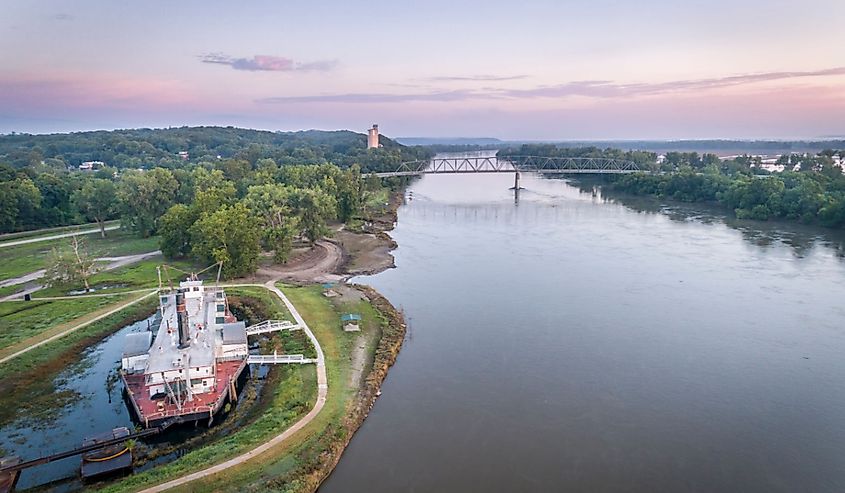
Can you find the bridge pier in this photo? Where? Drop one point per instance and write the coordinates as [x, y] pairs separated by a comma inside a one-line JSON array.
[[516, 181]]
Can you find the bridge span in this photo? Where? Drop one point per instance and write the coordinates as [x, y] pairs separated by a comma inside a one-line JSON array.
[[514, 164]]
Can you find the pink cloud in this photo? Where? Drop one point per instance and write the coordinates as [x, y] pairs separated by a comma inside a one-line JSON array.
[[596, 89], [268, 63]]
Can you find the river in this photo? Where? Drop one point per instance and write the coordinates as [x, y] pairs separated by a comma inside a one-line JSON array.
[[578, 343]]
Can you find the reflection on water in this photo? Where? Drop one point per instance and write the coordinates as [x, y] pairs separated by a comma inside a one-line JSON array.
[[580, 343], [800, 238]]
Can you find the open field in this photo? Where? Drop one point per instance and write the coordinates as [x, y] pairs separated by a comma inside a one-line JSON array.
[[140, 275], [23, 259], [39, 233], [23, 323], [24, 320]]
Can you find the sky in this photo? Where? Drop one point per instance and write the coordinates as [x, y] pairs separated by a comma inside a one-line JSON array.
[[527, 70]]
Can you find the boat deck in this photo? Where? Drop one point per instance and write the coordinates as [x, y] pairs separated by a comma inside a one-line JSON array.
[[150, 410]]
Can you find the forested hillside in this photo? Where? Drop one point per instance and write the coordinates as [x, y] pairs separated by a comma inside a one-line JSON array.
[[41, 184]]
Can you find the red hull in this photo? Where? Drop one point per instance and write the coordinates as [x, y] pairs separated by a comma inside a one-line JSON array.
[[151, 412]]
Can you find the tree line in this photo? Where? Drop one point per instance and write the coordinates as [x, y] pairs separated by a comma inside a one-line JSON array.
[[232, 221], [41, 187], [811, 189]]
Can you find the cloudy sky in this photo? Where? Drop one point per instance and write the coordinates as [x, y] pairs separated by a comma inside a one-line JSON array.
[[561, 69]]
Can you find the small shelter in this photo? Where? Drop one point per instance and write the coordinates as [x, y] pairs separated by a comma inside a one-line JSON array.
[[328, 292], [351, 322]]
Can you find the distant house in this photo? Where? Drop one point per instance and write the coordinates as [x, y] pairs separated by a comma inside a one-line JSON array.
[[91, 165], [184, 155]]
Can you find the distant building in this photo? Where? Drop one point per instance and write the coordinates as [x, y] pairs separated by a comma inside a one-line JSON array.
[[183, 155], [91, 165], [372, 137]]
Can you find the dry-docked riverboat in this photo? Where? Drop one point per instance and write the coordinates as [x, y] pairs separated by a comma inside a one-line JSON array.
[[191, 366]]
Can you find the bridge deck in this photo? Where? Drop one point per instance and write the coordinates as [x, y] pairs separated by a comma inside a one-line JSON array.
[[271, 326], [513, 164]]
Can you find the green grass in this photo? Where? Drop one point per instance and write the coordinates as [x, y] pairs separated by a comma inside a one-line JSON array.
[[284, 467], [22, 259], [140, 275], [374, 202], [274, 309], [41, 356], [37, 233], [21, 320]]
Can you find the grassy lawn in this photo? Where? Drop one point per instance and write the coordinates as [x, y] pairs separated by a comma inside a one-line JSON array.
[[283, 468], [37, 233], [280, 468], [23, 259], [141, 275], [22, 320]]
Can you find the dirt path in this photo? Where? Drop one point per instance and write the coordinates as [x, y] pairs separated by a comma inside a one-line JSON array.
[[55, 237], [32, 276], [320, 264], [322, 392]]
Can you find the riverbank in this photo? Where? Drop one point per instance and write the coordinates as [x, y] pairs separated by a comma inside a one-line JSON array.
[[357, 366], [367, 250], [306, 458], [386, 352]]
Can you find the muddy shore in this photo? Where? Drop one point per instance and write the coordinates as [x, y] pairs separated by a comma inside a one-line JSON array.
[[346, 254]]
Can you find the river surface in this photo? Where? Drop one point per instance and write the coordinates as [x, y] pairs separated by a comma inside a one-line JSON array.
[[578, 343]]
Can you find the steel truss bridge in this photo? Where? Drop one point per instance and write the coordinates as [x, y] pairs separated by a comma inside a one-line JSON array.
[[515, 164]]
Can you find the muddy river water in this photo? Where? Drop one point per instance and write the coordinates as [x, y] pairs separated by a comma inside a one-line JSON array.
[[573, 342]]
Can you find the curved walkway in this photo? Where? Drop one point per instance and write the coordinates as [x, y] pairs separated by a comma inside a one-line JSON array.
[[322, 392]]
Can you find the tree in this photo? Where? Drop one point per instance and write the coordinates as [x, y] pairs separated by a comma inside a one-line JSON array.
[[313, 207], [69, 267], [20, 201], [96, 201], [145, 197], [174, 228], [272, 205], [230, 235], [349, 190]]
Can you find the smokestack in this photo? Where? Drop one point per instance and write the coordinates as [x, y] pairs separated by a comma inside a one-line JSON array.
[[182, 319]]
